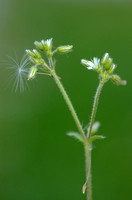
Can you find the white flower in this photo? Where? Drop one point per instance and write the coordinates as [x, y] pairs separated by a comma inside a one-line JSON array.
[[91, 64], [47, 44]]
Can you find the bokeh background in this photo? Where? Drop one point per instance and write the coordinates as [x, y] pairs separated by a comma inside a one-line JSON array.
[[37, 160]]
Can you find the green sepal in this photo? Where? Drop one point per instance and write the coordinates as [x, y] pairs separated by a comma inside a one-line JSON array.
[[76, 136], [96, 137]]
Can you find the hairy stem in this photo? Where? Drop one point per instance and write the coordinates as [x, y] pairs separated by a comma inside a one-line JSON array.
[[71, 108], [95, 107], [75, 117], [87, 145], [88, 171]]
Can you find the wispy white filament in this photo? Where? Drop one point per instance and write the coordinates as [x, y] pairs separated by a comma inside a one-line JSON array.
[[19, 73]]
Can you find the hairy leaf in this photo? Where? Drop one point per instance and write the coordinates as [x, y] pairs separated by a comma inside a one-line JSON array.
[[95, 127], [96, 137], [76, 136]]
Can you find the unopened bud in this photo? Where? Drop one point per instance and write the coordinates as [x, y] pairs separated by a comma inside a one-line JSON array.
[[42, 62], [39, 45], [105, 76], [49, 53], [105, 59], [108, 64], [111, 70], [34, 60], [64, 49], [37, 53], [32, 72], [30, 53], [85, 63], [47, 44], [117, 80]]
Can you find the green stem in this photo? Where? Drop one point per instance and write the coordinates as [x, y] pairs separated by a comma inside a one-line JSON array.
[[75, 117], [86, 143], [95, 107], [88, 171]]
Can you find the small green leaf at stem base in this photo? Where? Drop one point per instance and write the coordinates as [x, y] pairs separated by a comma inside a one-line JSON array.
[[76, 136], [96, 137], [95, 127]]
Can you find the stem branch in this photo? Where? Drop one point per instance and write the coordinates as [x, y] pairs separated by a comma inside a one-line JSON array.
[[71, 108], [95, 107], [87, 145], [75, 117]]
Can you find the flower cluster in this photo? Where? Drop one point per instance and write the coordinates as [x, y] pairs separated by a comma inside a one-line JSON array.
[[39, 63], [105, 68]]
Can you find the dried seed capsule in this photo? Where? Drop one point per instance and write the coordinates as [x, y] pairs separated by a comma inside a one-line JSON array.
[[117, 80]]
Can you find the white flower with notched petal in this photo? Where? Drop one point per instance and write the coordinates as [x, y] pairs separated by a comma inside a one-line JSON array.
[[94, 64], [47, 44]]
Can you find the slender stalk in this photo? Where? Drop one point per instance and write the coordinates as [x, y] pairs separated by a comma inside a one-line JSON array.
[[86, 143], [95, 107], [88, 171], [71, 108]]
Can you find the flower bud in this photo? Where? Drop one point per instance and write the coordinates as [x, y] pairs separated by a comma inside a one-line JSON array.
[[37, 53], [47, 44], [64, 49], [117, 80], [85, 63], [105, 59], [111, 70], [32, 72], [49, 53], [42, 62], [34, 60], [108, 64], [30, 53], [105, 77], [39, 45]]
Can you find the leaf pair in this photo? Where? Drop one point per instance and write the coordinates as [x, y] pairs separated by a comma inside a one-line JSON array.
[[95, 128]]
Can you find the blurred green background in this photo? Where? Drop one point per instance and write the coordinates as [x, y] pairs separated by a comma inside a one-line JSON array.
[[37, 160]]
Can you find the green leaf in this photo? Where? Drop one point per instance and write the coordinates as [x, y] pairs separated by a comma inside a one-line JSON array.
[[96, 137], [76, 136]]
